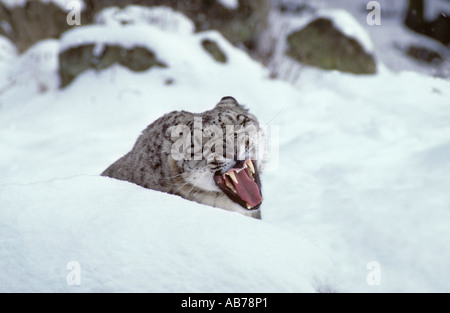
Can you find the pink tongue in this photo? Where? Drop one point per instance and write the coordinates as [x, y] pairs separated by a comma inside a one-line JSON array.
[[247, 189]]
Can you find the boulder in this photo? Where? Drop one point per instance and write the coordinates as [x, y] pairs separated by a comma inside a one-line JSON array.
[[31, 22], [424, 54], [322, 44], [214, 50], [76, 60]]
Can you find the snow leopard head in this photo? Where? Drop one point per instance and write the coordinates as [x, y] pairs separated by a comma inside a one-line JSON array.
[[220, 152], [214, 158]]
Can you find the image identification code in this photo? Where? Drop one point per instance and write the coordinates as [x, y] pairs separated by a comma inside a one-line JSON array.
[[246, 302], [232, 302]]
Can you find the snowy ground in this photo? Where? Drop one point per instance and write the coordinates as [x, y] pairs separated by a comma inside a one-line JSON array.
[[357, 200]]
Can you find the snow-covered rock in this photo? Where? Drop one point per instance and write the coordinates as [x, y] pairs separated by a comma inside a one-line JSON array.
[[347, 25], [131, 37], [321, 43], [330, 39]]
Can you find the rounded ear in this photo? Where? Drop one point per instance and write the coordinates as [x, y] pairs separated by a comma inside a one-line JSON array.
[[227, 102]]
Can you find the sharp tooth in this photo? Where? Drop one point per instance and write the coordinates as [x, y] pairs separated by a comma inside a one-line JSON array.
[[250, 164], [248, 206], [249, 173], [230, 185], [233, 177]]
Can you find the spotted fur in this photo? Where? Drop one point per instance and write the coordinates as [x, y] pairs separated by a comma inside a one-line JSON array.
[[151, 164]]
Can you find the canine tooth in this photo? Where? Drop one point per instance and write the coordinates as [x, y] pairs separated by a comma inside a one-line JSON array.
[[250, 164], [248, 206], [249, 173], [230, 185], [233, 177]]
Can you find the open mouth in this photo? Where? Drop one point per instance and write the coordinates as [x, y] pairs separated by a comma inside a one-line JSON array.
[[241, 184]]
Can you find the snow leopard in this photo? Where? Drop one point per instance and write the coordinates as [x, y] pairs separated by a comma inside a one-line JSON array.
[[214, 158]]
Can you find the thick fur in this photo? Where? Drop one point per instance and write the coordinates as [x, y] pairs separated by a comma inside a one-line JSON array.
[[150, 163]]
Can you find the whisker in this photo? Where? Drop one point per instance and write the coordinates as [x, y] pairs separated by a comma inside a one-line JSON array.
[[176, 191], [186, 183], [278, 113], [175, 176], [193, 186], [179, 175]]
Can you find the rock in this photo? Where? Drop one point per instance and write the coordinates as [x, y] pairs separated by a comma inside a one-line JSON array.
[[35, 20], [322, 45], [76, 60], [213, 49], [425, 54]]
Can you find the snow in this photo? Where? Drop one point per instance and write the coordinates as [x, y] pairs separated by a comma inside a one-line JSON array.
[[362, 176], [34, 71], [7, 50], [162, 17], [230, 4], [156, 243]]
